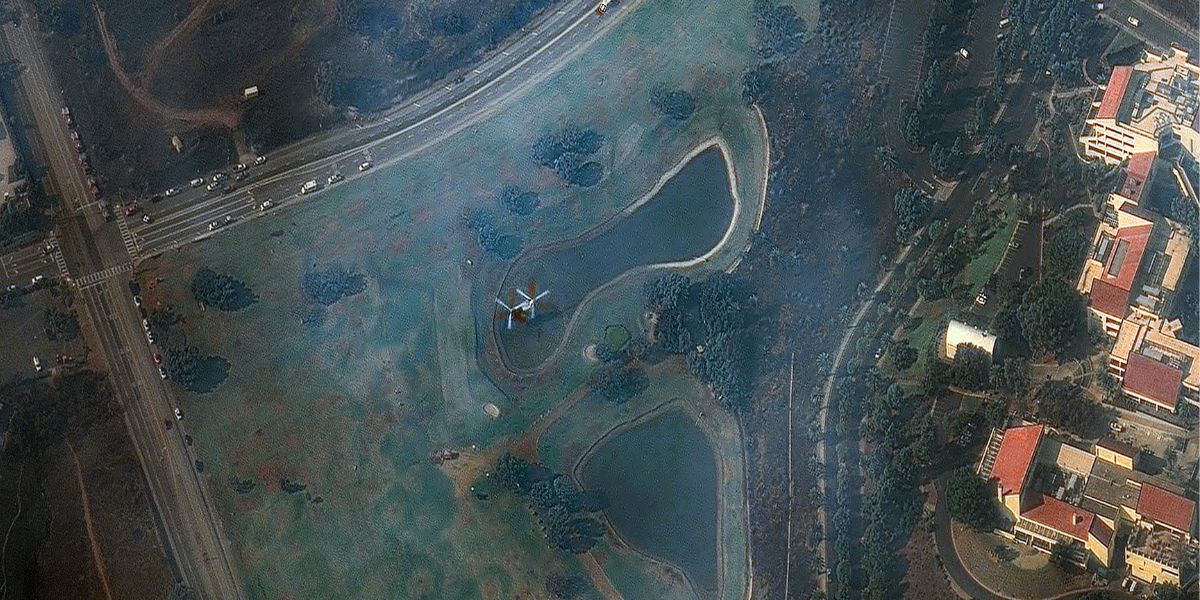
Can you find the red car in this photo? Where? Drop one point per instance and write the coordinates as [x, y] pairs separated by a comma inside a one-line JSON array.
[[131, 209], [157, 358]]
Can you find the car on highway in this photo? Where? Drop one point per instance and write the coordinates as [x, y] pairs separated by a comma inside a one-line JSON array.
[[212, 186], [197, 182], [336, 177], [266, 205], [238, 168], [218, 177], [37, 279], [1133, 21], [366, 164], [147, 218], [156, 198], [258, 160], [172, 191], [178, 413], [131, 209], [213, 226], [309, 186], [229, 189]]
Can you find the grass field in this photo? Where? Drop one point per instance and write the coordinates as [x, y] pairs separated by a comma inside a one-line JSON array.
[[986, 262], [351, 404]]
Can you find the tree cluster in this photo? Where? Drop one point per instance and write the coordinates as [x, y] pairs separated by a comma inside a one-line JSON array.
[[563, 508], [566, 152], [518, 201], [1051, 315], [1066, 406], [911, 206], [619, 382], [1064, 254], [327, 286], [972, 368], [60, 325], [183, 363], [676, 104], [970, 501], [705, 321], [220, 291], [492, 237], [777, 29], [17, 221]]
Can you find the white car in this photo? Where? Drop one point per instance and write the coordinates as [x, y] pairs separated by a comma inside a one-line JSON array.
[[260, 160], [178, 415], [12, 287], [238, 168], [364, 166], [172, 191], [336, 177], [213, 226], [37, 279], [162, 373], [266, 205], [145, 323], [197, 182], [981, 299], [1133, 21]]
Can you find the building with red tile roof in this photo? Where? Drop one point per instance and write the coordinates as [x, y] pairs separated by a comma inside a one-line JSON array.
[[1159, 507], [1150, 381], [1051, 522], [1014, 463], [1138, 100]]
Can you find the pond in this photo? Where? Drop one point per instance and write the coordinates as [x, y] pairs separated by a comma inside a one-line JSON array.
[[660, 477], [686, 218]]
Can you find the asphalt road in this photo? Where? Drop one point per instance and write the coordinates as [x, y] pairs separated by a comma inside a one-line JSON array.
[[94, 255], [420, 123], [1155, 28]]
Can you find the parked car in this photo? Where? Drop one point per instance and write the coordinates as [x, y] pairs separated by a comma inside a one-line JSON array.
[[366, 164], [37, 279], [197, 182], [157, 358], [1133, 21], [178, 414], [258, 160], [238, 168], [212, 186], [172, 191]]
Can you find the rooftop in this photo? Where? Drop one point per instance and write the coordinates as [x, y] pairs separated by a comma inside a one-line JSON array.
[[1062, 517], [1167, 508], [1112, 486], [1017, 451], [1155, 340], [1118, 446], [1137, 173], [1159, 90], [1152, 379]]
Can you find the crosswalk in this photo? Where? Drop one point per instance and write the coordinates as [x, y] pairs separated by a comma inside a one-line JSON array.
[[58, 257], [92, 279], [130, 240]]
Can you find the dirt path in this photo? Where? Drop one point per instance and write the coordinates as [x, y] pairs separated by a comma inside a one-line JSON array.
[[599, 577], [97, 555], [225, 118], [155, 55]]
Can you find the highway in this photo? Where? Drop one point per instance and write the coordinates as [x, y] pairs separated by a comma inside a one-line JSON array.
[[95, 256], [406, 130]]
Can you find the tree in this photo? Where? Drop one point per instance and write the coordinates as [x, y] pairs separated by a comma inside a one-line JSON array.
[[517, 200], [903, 355], [886, 156], [911, 126], [566, 153], [911, 206], [1065, 405], [619, 383], [676, 104], [329, 285], [947, 161], [1051, 315], [925, 447], [972, 367], [1064, 254], [1011, 376], [778, 28], [970, 501], [222, 292], [514, 474]]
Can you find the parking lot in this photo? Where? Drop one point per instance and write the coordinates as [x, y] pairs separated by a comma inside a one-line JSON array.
[[1023, 252], [25, 337]]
